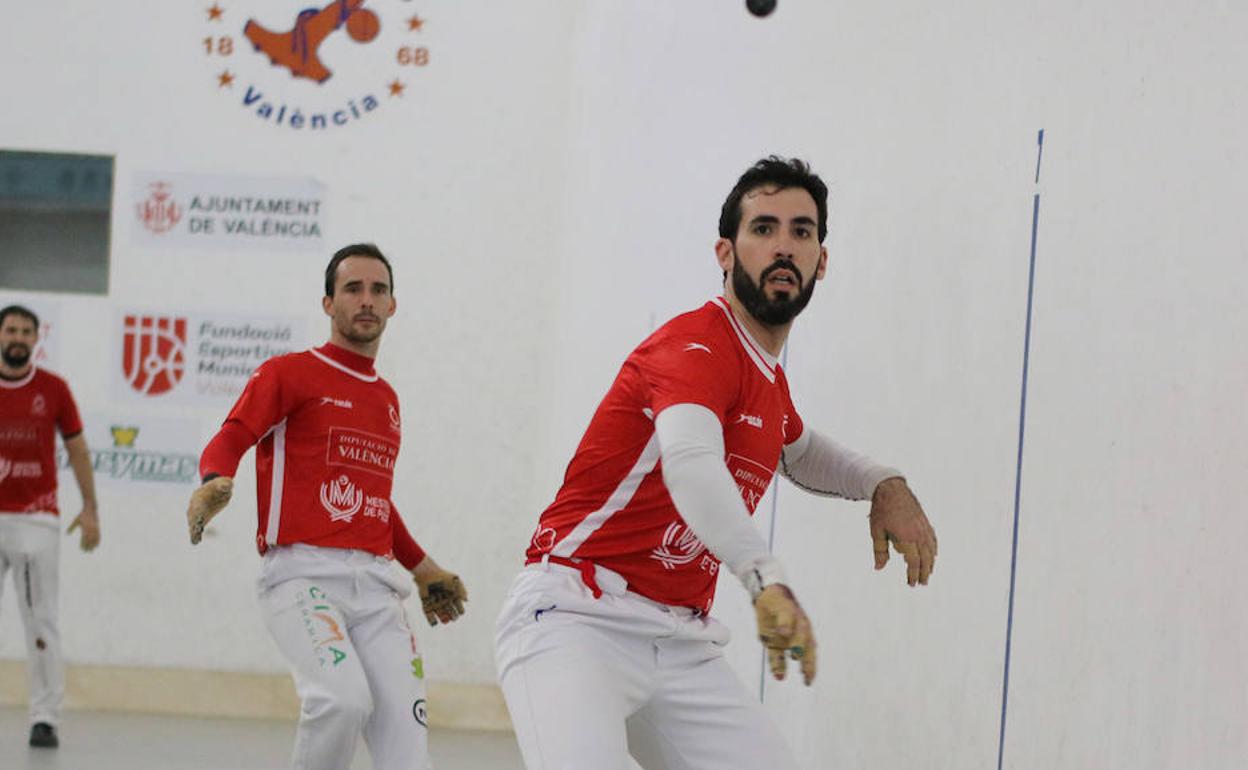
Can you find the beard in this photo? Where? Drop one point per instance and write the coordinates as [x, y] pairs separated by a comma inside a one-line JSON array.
[[15, 355], [776, 311], [360, 337]]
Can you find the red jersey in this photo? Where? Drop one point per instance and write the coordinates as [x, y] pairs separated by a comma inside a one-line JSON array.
[[325, 463], [32, 409], [614, 509]]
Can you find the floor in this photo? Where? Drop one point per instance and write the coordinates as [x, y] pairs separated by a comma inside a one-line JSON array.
[[111, 741]]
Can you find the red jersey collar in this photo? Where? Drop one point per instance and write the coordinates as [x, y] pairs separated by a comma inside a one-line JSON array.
[[5, 382], [341, 358], [766, 362]]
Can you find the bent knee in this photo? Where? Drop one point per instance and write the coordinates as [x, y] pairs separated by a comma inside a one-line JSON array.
[[349, 706]]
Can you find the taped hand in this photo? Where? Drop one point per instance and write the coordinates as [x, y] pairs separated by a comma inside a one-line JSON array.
[[206, 502], [442, 594], [785, 631]]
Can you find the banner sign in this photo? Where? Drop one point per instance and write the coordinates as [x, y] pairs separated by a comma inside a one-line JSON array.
[[137, 448], [228, 212], [188, 359]]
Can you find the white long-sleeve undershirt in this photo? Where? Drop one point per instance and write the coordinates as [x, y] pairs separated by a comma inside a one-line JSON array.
[[819, 465], [691, 445]]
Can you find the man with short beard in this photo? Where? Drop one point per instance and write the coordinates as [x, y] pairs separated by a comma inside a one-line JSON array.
[[605, 645], [34, 406], [328, 432]]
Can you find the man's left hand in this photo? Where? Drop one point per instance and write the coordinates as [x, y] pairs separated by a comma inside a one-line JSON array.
[[442, 594], [89, 523], [896, 517]]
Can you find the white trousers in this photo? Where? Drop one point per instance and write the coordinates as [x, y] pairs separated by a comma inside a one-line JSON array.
[[30, 546], [590, 681], [337, 617]]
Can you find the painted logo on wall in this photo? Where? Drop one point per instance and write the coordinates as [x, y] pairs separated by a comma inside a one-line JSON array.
[[313, 68], [159, 212], [190, 359], [131, 448], [153, 353]]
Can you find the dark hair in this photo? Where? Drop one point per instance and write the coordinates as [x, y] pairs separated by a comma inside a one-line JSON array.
[[19, 310], [354, 250], [780, 173]]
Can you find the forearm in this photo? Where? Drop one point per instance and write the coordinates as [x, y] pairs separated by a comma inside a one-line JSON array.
[[223, 453], [406, 550], [692, 450], [84, 474], [821, 466]]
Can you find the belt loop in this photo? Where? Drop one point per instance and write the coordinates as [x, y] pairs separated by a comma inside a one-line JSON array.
[[589, 577]]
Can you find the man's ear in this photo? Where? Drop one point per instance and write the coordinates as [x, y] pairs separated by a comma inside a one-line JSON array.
[[327, 304], [724, 254]]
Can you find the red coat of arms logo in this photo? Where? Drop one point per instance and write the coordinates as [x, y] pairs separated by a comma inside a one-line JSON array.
[[154, 353], [160, 212]]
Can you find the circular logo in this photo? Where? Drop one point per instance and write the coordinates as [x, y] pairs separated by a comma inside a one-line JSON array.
[[314, 69], [418, 711]]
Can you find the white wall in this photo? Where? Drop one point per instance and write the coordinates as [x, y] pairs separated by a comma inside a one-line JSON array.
[[565, 166], [455, 182], [1129, 638]]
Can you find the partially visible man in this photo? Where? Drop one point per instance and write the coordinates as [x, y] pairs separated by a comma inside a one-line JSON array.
[[327, 428], [34, 406], [605, 645]]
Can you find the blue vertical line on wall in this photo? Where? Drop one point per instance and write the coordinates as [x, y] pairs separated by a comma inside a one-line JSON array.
[[1018, 469], [771, 545]]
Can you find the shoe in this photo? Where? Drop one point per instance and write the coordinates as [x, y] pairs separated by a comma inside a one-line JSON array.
[[43, 736]]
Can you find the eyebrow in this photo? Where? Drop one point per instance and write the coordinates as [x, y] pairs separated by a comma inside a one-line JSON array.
[[360, 282], [774, 220]]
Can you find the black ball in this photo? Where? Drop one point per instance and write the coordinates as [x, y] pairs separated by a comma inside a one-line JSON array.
[[761, 8]]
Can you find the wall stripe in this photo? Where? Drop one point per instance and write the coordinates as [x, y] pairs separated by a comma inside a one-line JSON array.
[[1018, 469]]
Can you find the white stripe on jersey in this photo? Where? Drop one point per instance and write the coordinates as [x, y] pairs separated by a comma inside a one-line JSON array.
[[340, 367], [765, 362], [275, 484], [620, 498]]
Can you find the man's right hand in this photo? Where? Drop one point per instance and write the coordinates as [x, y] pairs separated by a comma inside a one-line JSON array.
[[785, 631], [206, 502]]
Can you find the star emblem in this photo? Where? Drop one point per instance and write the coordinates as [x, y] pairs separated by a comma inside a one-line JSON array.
[[215, 12], [415, 23], [396, 88], [226, 80]]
